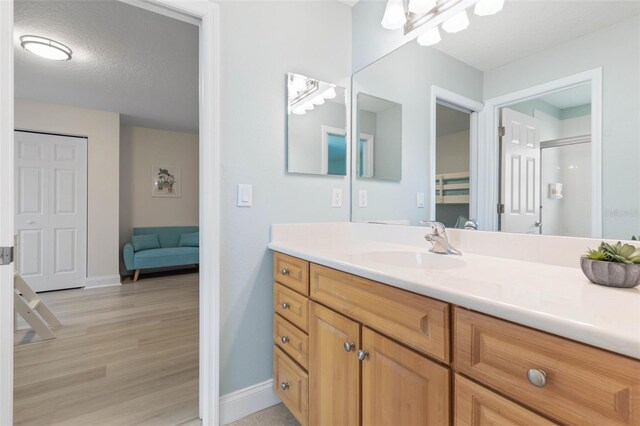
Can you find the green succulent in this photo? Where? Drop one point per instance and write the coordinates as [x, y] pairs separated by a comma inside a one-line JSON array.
[[619, 253]]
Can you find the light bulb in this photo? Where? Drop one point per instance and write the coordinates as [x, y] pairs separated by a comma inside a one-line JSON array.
[[299, 111], [318, 100], [394, 16], [420, 7], [299, 83], [456, 23], [430, 37], [307, 106], [329, 93], [488, 7]]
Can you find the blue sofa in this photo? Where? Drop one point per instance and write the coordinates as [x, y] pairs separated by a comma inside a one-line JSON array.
[[161, 247]]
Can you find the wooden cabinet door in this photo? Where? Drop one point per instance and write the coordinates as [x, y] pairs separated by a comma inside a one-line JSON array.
[[400, 386], [334, 373]]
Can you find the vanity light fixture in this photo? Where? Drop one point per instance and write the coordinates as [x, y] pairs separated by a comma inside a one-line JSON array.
[[456, 23], [429, 37], [318, 100], [45, 48], [329, 93], [488, 7], [298, 83], [394, 15], [420, 7]]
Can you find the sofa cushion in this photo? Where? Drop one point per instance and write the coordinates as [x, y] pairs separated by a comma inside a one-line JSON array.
[[162, 257], [145, 242], [189, 239], [169, 236]]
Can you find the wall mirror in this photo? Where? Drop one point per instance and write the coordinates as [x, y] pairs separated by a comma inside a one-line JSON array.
[[379, 130], [517, 121], [316, 127]]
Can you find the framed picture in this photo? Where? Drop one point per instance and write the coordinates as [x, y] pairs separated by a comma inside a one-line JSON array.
[[166, 181]]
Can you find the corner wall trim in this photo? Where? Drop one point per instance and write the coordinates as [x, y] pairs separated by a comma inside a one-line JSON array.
[[244, 402], [102, 281]]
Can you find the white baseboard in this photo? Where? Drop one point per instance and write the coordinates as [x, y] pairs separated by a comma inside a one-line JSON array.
[[103, 281], [244, 402]]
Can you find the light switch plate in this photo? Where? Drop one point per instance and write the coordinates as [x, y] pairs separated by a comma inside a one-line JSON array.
[[420, 200], [336, 197], [363, 200], [245, 195]]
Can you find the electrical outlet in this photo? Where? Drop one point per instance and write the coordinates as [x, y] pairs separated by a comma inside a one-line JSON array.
[[363, 200], [336, 198], [420, 200]]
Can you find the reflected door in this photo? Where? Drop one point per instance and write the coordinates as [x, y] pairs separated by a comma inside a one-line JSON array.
[[520, 173], [51, 209]]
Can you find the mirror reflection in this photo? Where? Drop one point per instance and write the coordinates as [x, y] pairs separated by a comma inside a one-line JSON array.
[[526, 121], [316, 127]]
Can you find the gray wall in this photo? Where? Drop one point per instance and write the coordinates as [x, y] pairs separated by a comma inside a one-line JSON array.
[[387, 151], [261, 42]]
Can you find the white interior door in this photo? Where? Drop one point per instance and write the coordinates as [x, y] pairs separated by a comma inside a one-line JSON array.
[[51, 209], [520, 178]]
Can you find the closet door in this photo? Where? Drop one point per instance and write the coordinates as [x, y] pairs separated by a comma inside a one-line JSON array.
[[51, 210]]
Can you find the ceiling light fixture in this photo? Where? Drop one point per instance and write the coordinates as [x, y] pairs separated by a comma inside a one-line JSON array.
[[488, 7], [394, 16], [420, 7], [456, 23], [45, 47], [430, 37]]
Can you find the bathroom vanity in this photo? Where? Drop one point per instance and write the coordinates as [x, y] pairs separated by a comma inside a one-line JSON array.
[[352, 350]]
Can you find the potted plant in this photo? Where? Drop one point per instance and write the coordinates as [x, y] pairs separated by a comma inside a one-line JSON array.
[[612, 265]]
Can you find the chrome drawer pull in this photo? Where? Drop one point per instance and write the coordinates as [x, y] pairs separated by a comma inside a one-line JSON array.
[[284, 271], [284, 339], [537, 377], [348, 346], [362, 355], [284, 386], [285, 305]]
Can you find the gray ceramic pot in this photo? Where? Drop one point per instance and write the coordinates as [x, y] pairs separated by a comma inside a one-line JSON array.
[[611, 274]]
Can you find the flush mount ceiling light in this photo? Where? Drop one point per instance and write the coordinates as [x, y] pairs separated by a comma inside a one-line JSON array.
[[456, 23], [430, 37], [488, 7], [45, 47], [394, 15], [420, 7]]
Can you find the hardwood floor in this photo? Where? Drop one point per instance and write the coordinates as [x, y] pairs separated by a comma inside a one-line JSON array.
[[125, 355]]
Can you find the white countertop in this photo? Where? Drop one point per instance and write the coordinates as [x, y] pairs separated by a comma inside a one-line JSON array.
[[556, 299]]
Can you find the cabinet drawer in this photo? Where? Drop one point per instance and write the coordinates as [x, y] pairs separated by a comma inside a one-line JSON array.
[[584, 385], [292, 272], [476, 405], [291, 305], [291, 383], [418, 321], [291, 339]]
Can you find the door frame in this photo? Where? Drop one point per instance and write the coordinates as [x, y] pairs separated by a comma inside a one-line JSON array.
[[489, 152], [474, 107], [206, 14]]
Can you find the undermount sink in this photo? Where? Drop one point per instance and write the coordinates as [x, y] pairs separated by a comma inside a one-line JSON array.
[[419, 260]]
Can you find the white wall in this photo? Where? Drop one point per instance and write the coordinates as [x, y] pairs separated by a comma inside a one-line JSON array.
[[103, 132], [140, 149], [261, 42], [617, 50]]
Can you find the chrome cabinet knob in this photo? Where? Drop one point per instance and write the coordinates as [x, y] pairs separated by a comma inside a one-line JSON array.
[[362, 355], [537, 377], [348, 347], [284, 305], [284, 271], [284, 386], [284, 339]]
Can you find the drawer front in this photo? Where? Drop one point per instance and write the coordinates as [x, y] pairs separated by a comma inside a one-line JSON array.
[[292, 272], [291, 339], [583, 385], [291, 383], [418, 321], [291, 305], [476, 405]]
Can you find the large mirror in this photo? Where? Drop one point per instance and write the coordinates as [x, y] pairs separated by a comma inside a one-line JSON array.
[[316, 127], [527, 121]]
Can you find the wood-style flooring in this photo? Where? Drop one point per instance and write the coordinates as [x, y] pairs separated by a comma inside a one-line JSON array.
[[125, 355]]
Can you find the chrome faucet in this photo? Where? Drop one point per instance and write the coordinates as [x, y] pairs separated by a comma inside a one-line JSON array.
[[438, 238]]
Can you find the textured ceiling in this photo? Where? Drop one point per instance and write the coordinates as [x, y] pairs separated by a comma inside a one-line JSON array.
[[526, 27], [125, 59]]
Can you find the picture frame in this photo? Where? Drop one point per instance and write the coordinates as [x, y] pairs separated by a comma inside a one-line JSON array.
[[166, 181]]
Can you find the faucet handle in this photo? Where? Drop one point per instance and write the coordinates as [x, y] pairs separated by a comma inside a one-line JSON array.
[[438, 228]]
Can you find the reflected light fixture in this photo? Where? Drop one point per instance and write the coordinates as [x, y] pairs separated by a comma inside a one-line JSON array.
[[329, 93], [45, 48], [299, 83], [420, 7], [394, 16], [456, 23], [429, 37], [318, 100], [488, 7], [299, 110]]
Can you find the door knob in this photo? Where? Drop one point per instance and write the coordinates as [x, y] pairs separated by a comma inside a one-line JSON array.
[[348, 347], [284, 305], [538, 223], [537, 377], [284, 386], [362, 355], [284, 339]]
